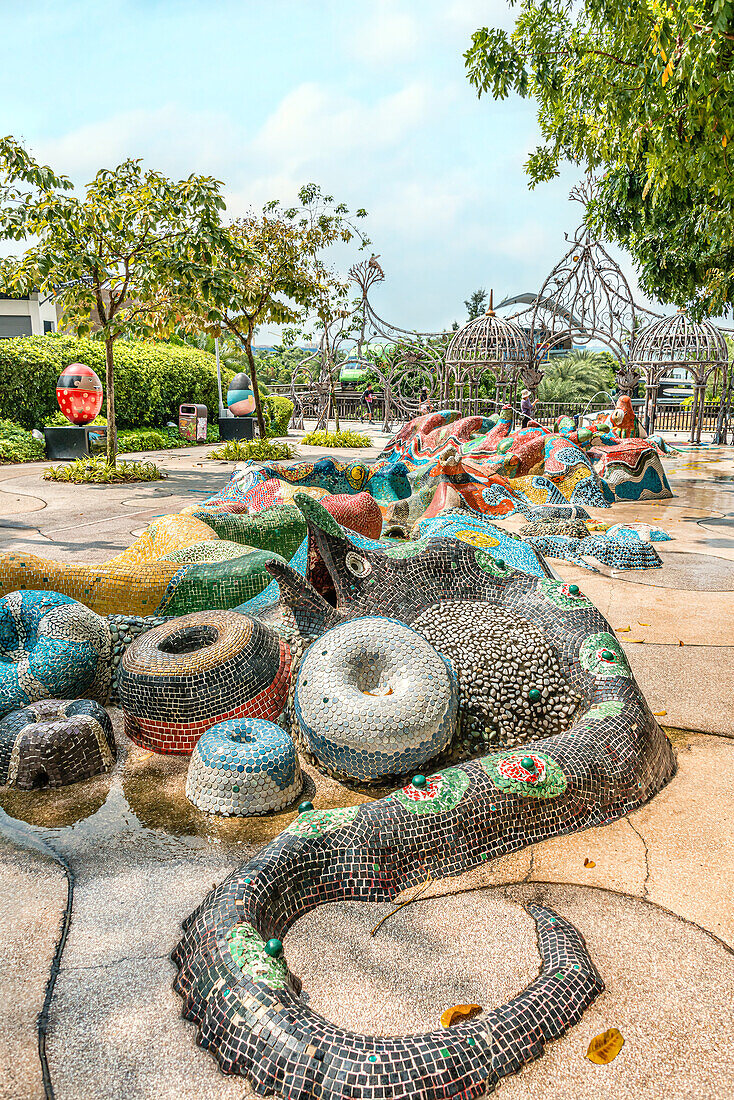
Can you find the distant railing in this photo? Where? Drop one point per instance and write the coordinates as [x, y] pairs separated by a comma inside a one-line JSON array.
[[668, 418]]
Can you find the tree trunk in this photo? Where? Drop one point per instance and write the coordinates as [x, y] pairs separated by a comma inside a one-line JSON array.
[[111, 422], [255, 388], [333, 398]]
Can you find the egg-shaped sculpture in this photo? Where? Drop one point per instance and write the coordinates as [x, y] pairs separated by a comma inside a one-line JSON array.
[[79, 393], [240, 398]]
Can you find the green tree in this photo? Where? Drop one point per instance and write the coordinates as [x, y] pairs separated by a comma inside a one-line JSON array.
[[475, 304], [644, 92], [576, 377], [289, 281], [108, 257]]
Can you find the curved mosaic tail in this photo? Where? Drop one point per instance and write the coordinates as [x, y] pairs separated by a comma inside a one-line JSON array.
[[263, 1031]]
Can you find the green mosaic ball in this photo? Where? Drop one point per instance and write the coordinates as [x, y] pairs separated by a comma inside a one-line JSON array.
[[273, 948], [533, 695], [607, 655], [304, 807], [573, 590], [419, 781], [528, 763]]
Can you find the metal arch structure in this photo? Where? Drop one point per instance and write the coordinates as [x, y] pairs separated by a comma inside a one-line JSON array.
[[415, 362], [678, 342], [585, 297]]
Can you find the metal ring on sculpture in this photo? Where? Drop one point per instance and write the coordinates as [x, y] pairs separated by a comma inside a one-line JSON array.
[[190, 673], [51, 645], [374, 699], [54, 742], [242, 767]]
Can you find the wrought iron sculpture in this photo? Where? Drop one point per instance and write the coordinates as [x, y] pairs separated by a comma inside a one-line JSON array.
[[586, 297], [678, 342], [486, 345]]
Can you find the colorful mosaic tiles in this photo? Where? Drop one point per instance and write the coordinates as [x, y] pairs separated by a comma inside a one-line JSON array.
[[50, 645], [182, 677], [244, 766], [373, 699], [611, 758], [54, 742]]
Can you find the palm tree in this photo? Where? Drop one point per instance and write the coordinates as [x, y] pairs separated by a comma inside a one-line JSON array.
[[577, 377]]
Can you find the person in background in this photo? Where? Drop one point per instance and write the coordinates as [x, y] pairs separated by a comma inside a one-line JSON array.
[[368, 398], [527, 406], [424, 403]]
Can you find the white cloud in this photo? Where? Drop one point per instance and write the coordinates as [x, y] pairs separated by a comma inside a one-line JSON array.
[[388, 35]]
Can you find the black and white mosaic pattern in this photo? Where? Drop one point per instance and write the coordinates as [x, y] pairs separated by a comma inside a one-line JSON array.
[[54, 742], [233, 975]]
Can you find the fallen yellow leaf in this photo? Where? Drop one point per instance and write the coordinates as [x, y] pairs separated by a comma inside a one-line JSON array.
[[589, 863], [604, 1048], [642, 624], [659, 713], [459, 1012], [622, 629]]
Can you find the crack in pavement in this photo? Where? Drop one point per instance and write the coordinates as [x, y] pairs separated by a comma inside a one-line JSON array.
[[646, 850], [115, 962]]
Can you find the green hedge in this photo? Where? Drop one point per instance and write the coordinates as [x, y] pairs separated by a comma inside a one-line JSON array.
[[277, 413], [17, 445], [151, 379]]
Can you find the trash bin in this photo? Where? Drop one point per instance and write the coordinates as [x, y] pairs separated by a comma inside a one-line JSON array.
[[192, 422]]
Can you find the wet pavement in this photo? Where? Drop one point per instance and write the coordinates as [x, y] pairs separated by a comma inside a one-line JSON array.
[[135, 858]]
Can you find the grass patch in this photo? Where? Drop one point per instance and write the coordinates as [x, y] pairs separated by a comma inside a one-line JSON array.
[[95, 471], [258, 450], [337, 439]]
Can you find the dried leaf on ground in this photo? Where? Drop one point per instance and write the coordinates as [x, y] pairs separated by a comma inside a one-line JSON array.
[[458, 1013], [604, 1048]]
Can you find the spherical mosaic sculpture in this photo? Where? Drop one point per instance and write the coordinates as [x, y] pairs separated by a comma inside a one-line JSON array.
[[374, 699], [182, 677], [244, 766], [51, 645], [54, 742], [79, 393], [240, 398]]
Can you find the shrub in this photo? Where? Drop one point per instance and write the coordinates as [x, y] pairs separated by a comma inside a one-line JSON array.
[[17, 445], [96, 471], [277, 413], [337, 439], [259, 450], [151, 379]]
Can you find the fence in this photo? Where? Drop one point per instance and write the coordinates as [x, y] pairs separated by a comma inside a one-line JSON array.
[[668, 418]]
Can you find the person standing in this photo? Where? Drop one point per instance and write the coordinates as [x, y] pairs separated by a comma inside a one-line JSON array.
[[527, 407], [368, 398]]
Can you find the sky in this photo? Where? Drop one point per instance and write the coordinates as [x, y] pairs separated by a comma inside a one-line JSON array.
[[367, 98]]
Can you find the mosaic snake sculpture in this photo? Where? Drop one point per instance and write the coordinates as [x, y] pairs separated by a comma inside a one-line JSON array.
[[233, 976]]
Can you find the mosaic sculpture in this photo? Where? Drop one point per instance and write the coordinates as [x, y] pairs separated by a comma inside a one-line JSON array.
[[193, 672], [608, 757], [54, 742], [374, 699], [79, 393], [177, 565], [50, 645], [244, 766]]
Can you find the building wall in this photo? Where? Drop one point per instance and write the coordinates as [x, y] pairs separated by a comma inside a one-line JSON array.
[[26, 316]]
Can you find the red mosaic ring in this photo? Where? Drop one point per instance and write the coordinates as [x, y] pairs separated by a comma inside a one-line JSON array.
[[192, 672]]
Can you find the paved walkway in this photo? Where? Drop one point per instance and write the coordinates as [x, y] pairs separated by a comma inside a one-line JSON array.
[[655, 907]]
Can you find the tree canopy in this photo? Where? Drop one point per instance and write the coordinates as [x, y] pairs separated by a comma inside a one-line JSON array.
[[109, 255], [289, 281], [644, 92]]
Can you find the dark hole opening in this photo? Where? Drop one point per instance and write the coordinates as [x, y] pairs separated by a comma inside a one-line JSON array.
[[189, 638]]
